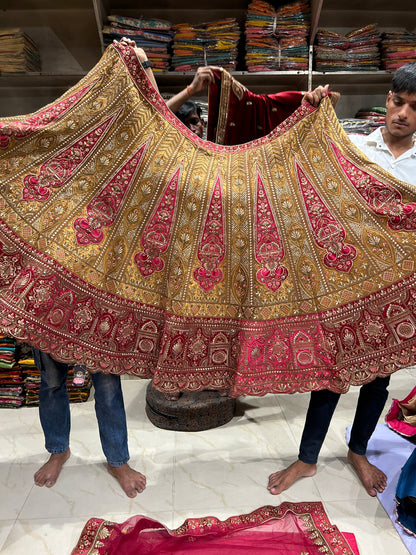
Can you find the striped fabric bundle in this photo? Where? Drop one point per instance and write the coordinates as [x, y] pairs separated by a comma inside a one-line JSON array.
[[277, 39], [11, 379], [18, 52], [211, 43], [152, 34], [397, 48], [358, 50]]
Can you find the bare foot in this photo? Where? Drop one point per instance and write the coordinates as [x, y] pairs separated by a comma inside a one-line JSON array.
[[373, 479], [279, 481], [49, 472], [130, 480]]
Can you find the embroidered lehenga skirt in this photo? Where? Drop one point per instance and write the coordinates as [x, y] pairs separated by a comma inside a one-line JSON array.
[[130, 245]]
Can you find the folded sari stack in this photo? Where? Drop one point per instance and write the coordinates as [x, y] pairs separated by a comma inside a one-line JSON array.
[[152, 34], [397, 48], [277, 39], [11, 379], [211, 43], [358, 50], [18, 53], [31, 375], [366, 120]]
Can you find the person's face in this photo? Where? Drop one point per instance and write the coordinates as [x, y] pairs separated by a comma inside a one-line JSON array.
[[195, 124], [401, 114]]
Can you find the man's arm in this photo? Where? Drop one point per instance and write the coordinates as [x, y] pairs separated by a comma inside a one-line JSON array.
[[202, 79], [142, 57]]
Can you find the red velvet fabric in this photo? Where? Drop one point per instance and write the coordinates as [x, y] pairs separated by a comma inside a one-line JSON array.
[[248, 115]]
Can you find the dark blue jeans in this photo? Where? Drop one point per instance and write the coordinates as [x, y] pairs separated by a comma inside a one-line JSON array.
[[54, 410], [322, 404]]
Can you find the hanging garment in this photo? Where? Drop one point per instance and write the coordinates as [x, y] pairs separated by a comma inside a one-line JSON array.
[[128, 244], [290, 529], [236, 115]]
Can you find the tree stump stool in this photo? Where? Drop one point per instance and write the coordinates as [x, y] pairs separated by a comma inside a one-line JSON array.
[[191, 412]]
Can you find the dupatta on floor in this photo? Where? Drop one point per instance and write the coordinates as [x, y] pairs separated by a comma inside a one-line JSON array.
[[130, 245], [290, 529]]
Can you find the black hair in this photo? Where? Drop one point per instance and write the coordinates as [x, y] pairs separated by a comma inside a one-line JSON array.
[[188, 108], [404, 79]]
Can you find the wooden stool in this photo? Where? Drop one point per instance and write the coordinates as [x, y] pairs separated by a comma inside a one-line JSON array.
[[191, 412]]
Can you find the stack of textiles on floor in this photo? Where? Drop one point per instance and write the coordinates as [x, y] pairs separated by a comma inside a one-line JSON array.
[[152, 34], [212, 43], [358, 50], [366, 120], [18, 53], [397, 48], [277, 39], [11, 378]]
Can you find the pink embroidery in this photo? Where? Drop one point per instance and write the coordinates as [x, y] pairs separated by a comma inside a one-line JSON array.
[[156, 236], [211, 248], [20, 129], [57, 170], [102, 210], [269, 249], [382, 198], [327, 231]]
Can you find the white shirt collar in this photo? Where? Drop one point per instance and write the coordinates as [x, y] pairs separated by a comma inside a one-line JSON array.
[[376, 139]]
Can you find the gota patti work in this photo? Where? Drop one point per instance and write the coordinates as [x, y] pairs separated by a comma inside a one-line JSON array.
[[129, 244]]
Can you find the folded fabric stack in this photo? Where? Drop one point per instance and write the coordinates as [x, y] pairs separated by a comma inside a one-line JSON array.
[[358, 50], [211, 43], [18, 53], [152, 34], [11, 378], [375, 114], [397, 48], [31, 375], [277, 39], [366, 120]]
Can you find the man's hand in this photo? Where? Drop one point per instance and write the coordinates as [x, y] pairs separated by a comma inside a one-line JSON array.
[[140, 53], [314, 97], [202, 79], [142, 57]]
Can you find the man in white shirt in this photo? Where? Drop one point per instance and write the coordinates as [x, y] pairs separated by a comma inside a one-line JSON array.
[[393, 148]]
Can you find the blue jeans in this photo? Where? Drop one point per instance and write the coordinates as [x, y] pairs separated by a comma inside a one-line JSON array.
[[371, 401], [55, 415]]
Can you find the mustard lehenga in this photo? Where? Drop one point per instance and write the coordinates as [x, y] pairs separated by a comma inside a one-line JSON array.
[[126, 243]]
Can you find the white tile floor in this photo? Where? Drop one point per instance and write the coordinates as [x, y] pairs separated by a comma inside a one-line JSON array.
[[218, 472]]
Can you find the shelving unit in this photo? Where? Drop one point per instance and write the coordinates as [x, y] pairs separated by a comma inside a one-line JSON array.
[[68, 34]]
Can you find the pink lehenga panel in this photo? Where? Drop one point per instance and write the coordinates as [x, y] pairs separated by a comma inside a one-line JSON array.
[[290, 529], [130, 245]]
